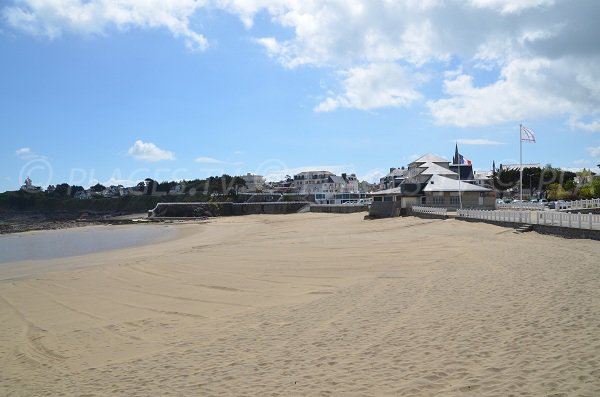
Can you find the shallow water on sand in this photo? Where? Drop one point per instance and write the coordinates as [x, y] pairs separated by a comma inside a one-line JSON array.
[[51, 244]]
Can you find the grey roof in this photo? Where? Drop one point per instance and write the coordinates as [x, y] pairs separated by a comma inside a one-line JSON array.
[[336, 179], [385, 192], [435, 169], [405, 189], [398, 172], [438, 183], [431, 158]]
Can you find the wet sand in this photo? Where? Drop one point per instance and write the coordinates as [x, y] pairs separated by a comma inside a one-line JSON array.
[[310, 304]]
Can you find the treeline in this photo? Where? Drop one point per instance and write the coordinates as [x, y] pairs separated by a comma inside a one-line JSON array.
[[148, 193], [554, 183]]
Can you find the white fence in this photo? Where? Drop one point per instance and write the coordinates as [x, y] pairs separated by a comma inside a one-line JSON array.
[[564, 219], [572, 205], [583, 204], [569, 219], [430, 210], [498, 216], [521, 206]]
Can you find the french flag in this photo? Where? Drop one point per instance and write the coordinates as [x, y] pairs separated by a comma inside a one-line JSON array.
[[463, 160]]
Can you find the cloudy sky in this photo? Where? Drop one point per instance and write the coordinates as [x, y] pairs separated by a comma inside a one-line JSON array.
[[116, 91]]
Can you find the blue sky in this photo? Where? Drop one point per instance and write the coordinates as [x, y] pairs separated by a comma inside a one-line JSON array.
[[117, 92]]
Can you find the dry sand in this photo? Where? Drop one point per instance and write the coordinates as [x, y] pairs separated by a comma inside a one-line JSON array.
[[310, 304]]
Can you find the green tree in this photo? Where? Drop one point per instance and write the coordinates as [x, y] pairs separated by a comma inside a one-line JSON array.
[[595, 185], [586, 192], [97, 188], [74, 189], [61, 190], [570, 186], [506, 179], [238, 183]]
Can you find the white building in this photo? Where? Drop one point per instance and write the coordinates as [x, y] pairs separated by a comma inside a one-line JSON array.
[[325, 182], [28, 186], [254, 183]]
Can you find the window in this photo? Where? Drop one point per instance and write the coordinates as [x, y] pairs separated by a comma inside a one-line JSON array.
[[438, 200], [454, 200]]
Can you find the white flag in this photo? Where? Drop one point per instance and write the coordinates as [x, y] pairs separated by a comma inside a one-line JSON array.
[[527, 135]]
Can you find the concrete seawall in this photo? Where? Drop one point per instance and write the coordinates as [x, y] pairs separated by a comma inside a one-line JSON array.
[[338, 209], [210, 209]]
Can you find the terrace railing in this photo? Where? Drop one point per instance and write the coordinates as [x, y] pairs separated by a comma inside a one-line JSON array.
[[583, 204], [521, 206]]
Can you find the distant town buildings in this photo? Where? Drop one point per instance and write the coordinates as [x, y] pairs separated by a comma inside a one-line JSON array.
[[325, 182]]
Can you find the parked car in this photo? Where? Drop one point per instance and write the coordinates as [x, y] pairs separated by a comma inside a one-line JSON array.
[[533, 200], [544, 201], [552, 205], [561, 205]]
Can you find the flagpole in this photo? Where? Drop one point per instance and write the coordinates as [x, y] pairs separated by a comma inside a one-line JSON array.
[[459, 192], [521, 162]]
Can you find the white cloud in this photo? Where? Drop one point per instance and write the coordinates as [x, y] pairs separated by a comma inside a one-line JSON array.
[[372, 87], [479, 142], [26, 153], [576, 124], [540, 56], [52, 18], [372, 176], [147, 151], [208, 160], [540, 64], [527, 89], [510, 6], [581, 161], [594, 151], [212, 160]]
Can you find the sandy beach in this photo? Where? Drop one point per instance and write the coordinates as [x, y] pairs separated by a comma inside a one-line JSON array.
[[309, 304]]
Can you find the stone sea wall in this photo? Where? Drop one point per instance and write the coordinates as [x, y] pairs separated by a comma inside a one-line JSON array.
[[338, 209], [210, 209]]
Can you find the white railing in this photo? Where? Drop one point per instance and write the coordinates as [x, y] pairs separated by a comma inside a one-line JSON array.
[[550, 218], [498, 216], [521, 206], [569, 219], [430, 210], [583, 204]]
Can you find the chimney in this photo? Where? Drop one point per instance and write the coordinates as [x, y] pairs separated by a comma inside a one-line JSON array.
[[392, 169]]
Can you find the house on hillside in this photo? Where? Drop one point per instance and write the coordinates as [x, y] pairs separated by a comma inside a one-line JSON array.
[[254, 183], [83, 195]]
